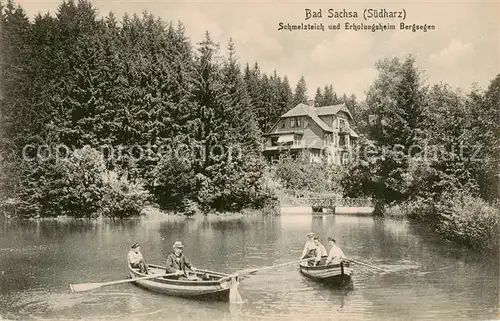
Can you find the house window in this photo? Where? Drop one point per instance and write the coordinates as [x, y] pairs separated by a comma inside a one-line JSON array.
[[342, 141], [298, 121], [345, 158], [292, 122], [342, 124], [283, 124], [334, 140], [295, 122], [297, 140]]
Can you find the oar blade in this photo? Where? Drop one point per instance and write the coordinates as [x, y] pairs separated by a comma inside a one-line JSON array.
[[82, 287], [234, 294], [248, 271]]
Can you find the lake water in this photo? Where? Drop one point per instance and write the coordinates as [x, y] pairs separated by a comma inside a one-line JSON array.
[[430, 279]]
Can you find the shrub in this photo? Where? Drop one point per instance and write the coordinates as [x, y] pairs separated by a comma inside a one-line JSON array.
[[122, 198], [299, 177], [469, 220], [71, 186], [457, 216], [78, 186]]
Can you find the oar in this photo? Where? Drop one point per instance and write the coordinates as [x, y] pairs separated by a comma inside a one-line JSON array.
[[368, 265], [253, 271], [91, 286], [234, 294]]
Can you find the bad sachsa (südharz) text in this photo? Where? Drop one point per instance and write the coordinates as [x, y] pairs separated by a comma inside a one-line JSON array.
[[374, 20]]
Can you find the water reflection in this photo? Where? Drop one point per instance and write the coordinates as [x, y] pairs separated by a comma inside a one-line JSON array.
[[429, 279]]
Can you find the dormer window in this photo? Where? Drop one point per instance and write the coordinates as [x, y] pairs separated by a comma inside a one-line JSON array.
[[295, 122]]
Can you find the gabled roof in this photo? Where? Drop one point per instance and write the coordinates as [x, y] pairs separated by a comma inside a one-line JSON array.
[[352, 133], [320, 122], [303, 110], [332, 110], [299, 110], [315, 112]]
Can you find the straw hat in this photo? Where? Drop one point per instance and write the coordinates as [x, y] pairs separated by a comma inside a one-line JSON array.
[[178, 244]]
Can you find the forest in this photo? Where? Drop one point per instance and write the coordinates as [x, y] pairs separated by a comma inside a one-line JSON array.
[[100, 116]]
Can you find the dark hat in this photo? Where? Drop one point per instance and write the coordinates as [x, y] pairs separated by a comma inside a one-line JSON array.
[[331, 239], [310, 234], [135, 245]]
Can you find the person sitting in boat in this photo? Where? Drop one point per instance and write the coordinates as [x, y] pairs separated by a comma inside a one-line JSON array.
[[336, 254], [177, 262], [310, 247], [136, 260], [321, 254]]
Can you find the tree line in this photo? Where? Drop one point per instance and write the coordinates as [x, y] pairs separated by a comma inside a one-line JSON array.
[[432, 152], [100, 116]]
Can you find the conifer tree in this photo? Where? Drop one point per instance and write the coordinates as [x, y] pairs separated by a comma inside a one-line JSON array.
[[265, 113], [318, 99], [300, 93], [330, 97], [286, 96], [15, 32], [252, 77]]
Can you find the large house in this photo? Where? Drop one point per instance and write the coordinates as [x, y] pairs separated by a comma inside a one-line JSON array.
[[316, 133]]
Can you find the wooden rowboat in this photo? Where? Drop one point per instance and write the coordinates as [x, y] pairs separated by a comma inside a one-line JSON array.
[[335, 274], [209, 286]]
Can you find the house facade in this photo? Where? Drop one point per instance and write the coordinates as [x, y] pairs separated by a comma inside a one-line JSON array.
[[316, 133]]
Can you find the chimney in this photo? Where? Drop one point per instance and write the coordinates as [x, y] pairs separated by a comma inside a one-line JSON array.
[[311, 102]]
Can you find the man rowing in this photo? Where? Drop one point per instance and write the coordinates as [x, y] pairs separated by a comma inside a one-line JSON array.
[[321, 254], [177, 263], [309, 248], [336, 254], [136, 260]]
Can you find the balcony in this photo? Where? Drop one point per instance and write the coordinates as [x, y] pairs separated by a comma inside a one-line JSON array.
[[343, 131], [344, 147]]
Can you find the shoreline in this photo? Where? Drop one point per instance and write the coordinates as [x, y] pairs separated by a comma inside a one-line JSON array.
[[150, 213]]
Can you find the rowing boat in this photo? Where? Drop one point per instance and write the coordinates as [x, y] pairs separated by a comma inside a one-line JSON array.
[[208, 285], [337, 274]]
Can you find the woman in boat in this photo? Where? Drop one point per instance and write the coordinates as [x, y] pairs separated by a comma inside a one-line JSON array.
[[177, 262], [321, 254], [336, 254], [310, 248], [135, 258]]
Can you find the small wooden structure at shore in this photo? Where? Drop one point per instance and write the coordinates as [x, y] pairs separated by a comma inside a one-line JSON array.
[[331, 205]]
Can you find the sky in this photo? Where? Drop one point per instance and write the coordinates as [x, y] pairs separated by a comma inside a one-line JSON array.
[[463, 49]]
